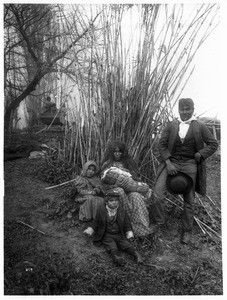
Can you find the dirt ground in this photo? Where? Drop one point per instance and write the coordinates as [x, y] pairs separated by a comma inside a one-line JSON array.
[[46, 254]]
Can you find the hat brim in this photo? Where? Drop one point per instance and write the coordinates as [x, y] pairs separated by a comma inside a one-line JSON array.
[[112, 193], [180, 183]]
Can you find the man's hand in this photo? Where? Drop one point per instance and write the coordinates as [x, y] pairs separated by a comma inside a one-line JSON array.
[[197, 156], [171, 169]]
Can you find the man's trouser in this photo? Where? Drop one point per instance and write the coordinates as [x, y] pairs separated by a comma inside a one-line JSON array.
[[160, 191]]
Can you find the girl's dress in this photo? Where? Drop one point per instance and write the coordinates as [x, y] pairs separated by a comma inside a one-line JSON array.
[[133, 202], [88, 203]]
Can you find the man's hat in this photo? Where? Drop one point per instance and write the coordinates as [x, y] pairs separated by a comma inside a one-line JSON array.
[[186, 101], [180, 183]]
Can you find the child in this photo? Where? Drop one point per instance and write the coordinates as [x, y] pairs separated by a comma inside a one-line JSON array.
[[90, 191], [112, 228]]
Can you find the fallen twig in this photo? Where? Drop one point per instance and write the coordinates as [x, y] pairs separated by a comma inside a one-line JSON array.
[[195, 275], [54, 186], [157, 267], [204, 207], [202, 229], [19, 221], [208, 227], [174, 203], [196, 219], [213, 202]]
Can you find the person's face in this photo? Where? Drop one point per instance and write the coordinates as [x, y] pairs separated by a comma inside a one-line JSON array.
[[185, 112], [113, 202], [117, 154], [90, 171]]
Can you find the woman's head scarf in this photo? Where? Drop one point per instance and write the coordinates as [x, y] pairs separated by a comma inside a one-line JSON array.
[[87, 165]]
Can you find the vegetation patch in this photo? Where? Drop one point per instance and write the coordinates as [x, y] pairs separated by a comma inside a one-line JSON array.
[[62, 261]]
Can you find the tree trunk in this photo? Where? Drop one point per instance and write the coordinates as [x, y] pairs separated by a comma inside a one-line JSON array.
[[16, 102], [43, 68]]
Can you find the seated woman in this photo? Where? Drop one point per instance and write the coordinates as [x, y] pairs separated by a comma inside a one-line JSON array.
[[133, 193], [90, 191]]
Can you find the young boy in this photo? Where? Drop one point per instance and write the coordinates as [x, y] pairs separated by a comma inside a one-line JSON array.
[[112, 228]]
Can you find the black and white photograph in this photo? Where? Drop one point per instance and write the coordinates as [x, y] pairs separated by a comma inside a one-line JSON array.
[[112, 136]]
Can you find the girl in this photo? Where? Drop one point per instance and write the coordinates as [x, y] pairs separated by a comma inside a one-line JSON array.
[[90, 191]]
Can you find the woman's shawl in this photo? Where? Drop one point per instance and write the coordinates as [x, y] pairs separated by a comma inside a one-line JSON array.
[[84, 183]]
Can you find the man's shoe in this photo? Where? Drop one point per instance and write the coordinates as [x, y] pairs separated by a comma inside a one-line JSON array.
[[186, 236]]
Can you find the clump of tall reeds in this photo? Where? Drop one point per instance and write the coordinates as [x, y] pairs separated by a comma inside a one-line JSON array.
[[137, 62]]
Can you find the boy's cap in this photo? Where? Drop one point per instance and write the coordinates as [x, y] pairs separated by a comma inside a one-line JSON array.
[[112, 193]]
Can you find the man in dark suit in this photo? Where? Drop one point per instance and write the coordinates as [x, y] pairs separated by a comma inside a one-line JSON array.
[[184, 145]]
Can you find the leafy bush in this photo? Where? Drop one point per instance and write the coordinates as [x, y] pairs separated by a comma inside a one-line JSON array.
[[56, 170]]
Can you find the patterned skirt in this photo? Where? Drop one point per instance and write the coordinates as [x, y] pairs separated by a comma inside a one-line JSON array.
[[88, 207], [129, 185]]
